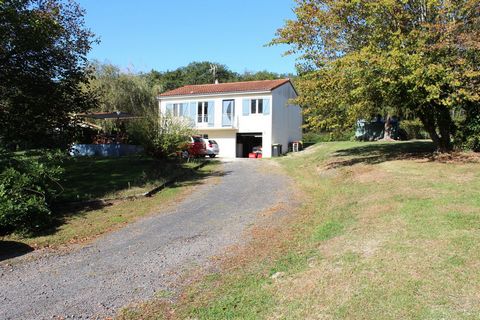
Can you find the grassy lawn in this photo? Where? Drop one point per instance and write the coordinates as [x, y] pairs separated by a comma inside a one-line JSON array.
[[385, 232], [93, 178], [84, 225]]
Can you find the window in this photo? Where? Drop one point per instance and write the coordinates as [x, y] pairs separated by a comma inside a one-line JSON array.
[[202, 112], [177, 109], [227, 112], [256, 106]]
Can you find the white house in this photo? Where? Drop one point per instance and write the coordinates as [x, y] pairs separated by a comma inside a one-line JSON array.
[[239, 115]]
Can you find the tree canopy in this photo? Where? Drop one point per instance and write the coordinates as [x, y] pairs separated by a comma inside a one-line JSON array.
[[136, 93], [200, 73], [193, 73], [43, 48], [122, 91], [414, 57]]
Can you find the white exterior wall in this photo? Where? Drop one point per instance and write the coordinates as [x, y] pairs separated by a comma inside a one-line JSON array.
[[261, 123], [226, 136], [282, 125], [226, 140], [286, 118]]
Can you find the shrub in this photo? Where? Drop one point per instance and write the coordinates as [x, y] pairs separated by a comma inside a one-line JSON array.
[[414, 129], [162, 136], [467, 135], [28, 185]]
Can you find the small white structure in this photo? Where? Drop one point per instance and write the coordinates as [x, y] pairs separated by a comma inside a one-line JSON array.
[[239, 115]]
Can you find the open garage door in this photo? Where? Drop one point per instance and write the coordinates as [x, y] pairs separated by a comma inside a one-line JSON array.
[[247, 143]]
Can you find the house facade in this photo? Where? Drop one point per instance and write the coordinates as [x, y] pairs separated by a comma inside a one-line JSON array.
[[239, 116]]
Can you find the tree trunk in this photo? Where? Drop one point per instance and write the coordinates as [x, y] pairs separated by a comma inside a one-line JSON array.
[[433, 117], [387, 135], [445, 126], [429, 126]]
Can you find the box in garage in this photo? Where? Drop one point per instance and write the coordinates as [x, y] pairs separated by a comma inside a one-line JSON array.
[[252, 155]]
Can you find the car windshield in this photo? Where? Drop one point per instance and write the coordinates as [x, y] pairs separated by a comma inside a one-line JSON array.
[[212, 142], [197, 139]]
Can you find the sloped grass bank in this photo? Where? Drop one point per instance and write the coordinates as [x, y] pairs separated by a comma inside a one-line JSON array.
[[88, 223], [385, 232], [90, 178]]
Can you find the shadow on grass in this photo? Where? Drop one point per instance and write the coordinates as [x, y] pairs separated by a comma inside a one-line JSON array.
[[187, 176], [375, 152], [12, 249], [94, 178]]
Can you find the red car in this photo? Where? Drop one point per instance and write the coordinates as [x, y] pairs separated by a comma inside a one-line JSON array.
[[196, 147]]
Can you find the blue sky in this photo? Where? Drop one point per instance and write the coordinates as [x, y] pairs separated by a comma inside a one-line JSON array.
[[146, 34]]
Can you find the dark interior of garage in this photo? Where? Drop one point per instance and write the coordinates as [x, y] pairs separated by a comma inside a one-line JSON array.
[[246, 142]]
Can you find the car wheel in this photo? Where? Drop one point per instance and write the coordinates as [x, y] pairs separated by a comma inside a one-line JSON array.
[[211, 155]]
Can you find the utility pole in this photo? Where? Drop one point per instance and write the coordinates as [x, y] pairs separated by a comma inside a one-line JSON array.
[[213, 70]]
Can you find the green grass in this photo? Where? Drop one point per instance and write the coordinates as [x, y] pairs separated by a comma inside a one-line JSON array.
[[328, 230], [93, 178], [384, 233], [242, 300], [84, 225]]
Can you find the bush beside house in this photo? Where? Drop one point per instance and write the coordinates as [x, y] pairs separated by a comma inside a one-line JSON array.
[[161, 136]]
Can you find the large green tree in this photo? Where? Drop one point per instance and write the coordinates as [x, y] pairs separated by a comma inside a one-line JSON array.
[[262, 75], [43, 47], [193, 73], [201, 73], [412, 57], [122, 91]]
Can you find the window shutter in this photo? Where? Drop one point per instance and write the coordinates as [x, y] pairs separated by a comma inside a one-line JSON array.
[[246, 107], [266, 106], [211, 113], [169, 108]]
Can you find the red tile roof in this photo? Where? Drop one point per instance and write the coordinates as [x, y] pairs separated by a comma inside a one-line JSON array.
[[246, 86]]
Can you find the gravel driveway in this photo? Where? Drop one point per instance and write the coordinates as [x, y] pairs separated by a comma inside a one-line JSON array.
[[129, 265]]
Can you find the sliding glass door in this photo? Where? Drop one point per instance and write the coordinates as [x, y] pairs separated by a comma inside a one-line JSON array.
[[228, 107]]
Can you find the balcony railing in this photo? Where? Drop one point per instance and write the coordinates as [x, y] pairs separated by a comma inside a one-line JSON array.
[[230, 123], [202, 122], [202, 119]]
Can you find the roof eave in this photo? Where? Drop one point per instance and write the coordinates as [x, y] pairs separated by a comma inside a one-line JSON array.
[[214, 94]]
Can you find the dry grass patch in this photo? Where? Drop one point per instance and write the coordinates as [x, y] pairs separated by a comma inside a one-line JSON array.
[[369, 174], [269, 240], [457, 157], [385, 232], [395, 260]]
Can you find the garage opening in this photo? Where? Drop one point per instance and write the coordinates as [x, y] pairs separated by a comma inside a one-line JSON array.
[[248, 143]]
